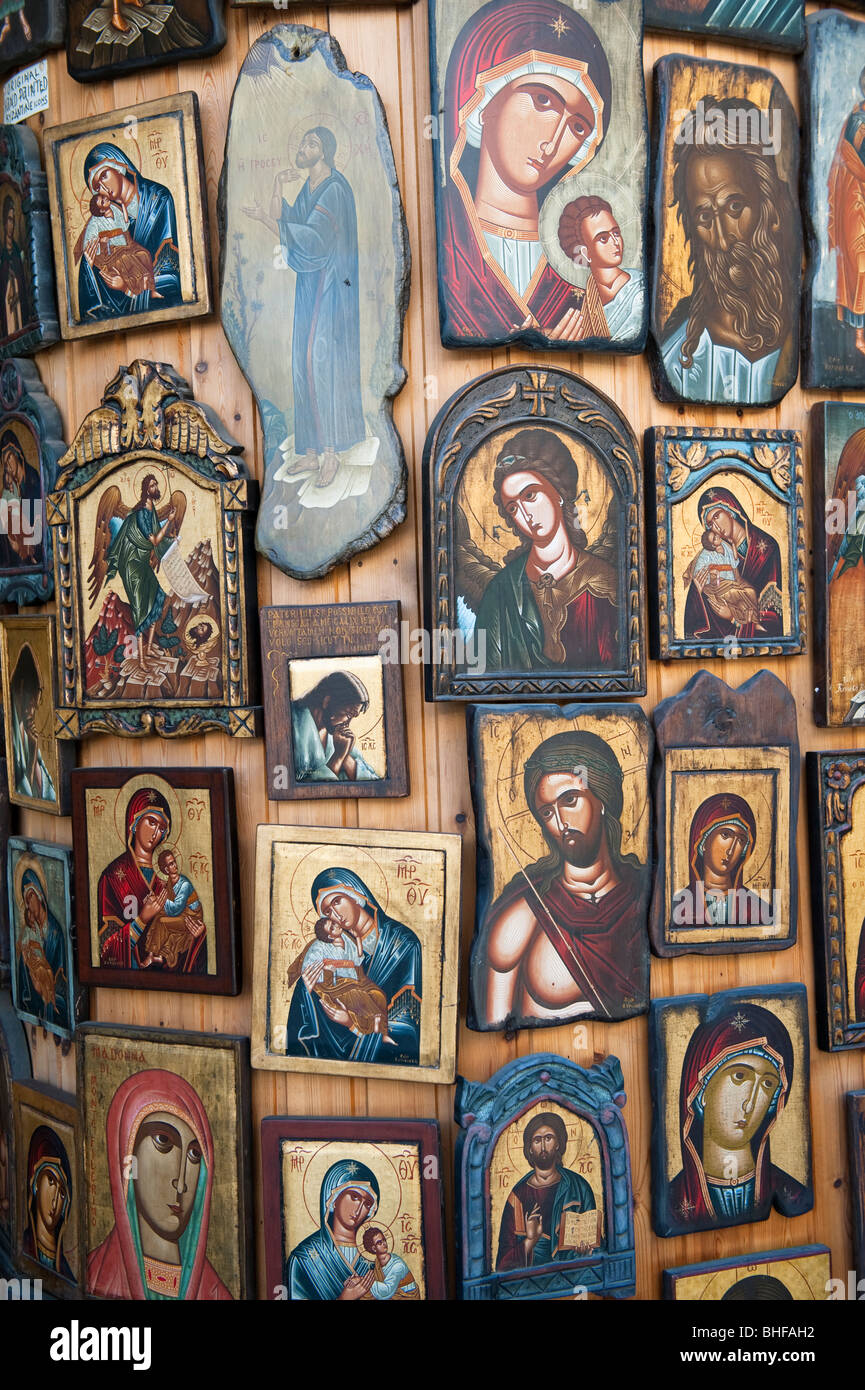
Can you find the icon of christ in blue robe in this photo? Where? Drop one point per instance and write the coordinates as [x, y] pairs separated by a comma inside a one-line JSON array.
[[148, 207], [392, 960], [318, 236]]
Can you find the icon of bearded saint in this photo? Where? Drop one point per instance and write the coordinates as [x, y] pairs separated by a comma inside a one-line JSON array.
[[733, 339]]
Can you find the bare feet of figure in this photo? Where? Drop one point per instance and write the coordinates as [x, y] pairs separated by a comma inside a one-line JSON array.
[[329, 468]]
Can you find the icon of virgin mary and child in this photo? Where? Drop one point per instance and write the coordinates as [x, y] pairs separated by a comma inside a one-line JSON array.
[[127, 254], [528, 103], [328, 1265]]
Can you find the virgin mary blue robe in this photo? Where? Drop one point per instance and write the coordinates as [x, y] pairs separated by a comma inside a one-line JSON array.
[[318, 233], [54, 946], [154, 226], [392, 960], [315, 1269]]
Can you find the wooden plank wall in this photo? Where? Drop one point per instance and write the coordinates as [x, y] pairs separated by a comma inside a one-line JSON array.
[[389, 43]]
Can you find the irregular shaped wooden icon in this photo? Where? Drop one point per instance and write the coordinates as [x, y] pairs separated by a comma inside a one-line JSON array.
[[730, 1084], [561, 799], [856, 1139], [28, 302], [156, 878], [838, 473], [39, 761], [728, 545], [728, 244], [533, 542], [726, 787], [154, 507], [31, 442], [800, 1274], [836, 823], [108, 39], [29, 28], [14, 1066], [541, 1118], [44, 979], [765, 23], [352, 1210], [48, 1187], [129, 212], [541, 172], [187, 1095], [833, 122], [314, 270]]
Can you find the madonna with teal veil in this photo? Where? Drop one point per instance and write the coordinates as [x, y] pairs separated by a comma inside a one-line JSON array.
[[148, 207], [391, 959], [160, 1166], [321, 1266]]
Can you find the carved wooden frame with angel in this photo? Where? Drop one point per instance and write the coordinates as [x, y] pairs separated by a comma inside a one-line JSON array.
[[155, 635]]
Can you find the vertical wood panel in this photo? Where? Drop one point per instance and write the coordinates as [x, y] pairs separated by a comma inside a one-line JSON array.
[[390, 44]]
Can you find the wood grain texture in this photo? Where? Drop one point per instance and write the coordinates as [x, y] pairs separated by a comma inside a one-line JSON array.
[[389, 43]]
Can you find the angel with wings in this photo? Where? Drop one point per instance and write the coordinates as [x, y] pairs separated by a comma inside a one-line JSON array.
[[134, 543]]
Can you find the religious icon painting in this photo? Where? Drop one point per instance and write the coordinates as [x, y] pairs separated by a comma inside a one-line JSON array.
[[731, 1126], [726, 285], [156, 882], [356, 952], [799, 1275], [561, 797], [352, 1210], [333, 701], [29, 28], [28, 302], [44, 976], [154, 506], [836, 807], [726, 791], [776, 24], [105, 40], [833, 124], [543, 1174], [31, 442], [533, 542], [165, 1111], [38, 762], [129, 214], [541, 173], [856, 1140], [14, 1066], [48, 1187], [727, 551], [314, 272], [5, 819], [838, 470]]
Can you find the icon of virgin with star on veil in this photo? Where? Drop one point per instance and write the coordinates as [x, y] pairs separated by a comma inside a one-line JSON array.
[[527, 104], [736, 1081]]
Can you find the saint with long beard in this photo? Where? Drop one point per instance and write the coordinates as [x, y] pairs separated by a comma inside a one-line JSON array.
[[733, 338]]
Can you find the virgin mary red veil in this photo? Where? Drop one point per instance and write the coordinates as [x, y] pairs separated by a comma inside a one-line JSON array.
[[725, 808], [740, 1030], [114, 1269], [501, 42]]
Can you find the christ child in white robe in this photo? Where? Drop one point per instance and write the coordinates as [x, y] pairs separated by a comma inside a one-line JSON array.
[[332, 967], [715, 571], [393, 1278]]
